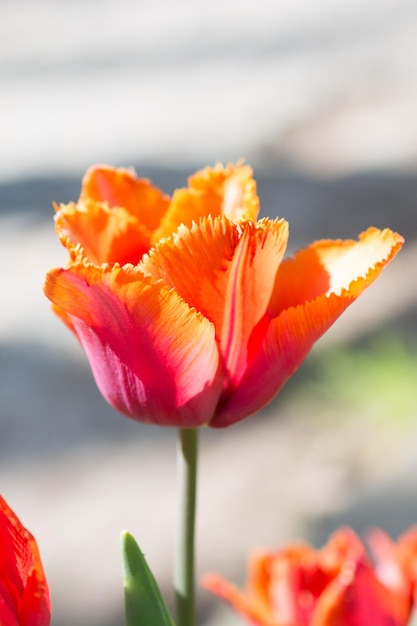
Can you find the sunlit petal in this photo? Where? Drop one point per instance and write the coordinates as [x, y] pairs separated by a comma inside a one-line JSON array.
[[228, 191], [118, 187], [328, 267], [105, 235]]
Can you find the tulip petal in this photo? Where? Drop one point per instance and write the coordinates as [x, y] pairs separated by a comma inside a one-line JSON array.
[[328, 267], [237, 264], [395, 562], [114, 218], [153, 357], [390, 559], [103, 234], [118, 187], [248, 607], [357, 597], [229, 191], [282, 586], [295, 577], [294, 330], [24, 595], [293, 581], [407, 554]]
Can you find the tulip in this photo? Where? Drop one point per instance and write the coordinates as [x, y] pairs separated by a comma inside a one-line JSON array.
[[185, 308], [24, 594], [334, 586]]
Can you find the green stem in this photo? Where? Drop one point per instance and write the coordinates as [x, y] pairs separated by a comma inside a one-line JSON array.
[[184, 583]]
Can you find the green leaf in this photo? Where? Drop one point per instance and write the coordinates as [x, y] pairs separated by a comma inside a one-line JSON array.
[[144, 605]]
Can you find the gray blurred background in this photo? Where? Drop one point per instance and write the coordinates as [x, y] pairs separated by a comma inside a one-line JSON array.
[[320, 98]]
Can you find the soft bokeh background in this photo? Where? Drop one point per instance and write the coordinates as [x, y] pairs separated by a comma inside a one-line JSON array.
[[321, 98]]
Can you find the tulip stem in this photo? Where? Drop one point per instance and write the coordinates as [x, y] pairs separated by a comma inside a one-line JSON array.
[[184, 583]]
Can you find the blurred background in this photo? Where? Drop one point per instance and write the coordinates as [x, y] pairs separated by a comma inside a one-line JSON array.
[[320, 98]]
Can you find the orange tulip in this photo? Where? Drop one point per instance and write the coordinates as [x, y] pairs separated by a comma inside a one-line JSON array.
[[24, 594], [185, 308], [334, 586]]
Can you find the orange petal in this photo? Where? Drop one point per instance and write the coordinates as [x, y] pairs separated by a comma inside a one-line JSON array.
[[229, 191], [233, 280], [331, 266], [294, 330], [114, 218], [245, 605], [105, 235], [153, 357], [343, 545], [270, 575], [282, 586], [118, 187]]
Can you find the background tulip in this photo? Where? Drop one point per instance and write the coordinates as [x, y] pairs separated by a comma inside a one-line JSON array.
[[334, 586], [24, 594]]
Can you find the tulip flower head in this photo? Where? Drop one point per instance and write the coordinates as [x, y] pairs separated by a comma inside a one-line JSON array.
[[185, 307], [24, 594], [336, 585]]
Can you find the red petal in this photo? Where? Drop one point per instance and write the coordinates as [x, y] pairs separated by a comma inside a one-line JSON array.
[[24, 595], [300, 321], [357, 597]]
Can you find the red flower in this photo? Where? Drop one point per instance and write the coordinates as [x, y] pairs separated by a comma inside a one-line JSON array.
[[24, 594], [334, 586], [186, 311]]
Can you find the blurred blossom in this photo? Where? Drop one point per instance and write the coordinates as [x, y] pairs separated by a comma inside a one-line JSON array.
[[336, 585]]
